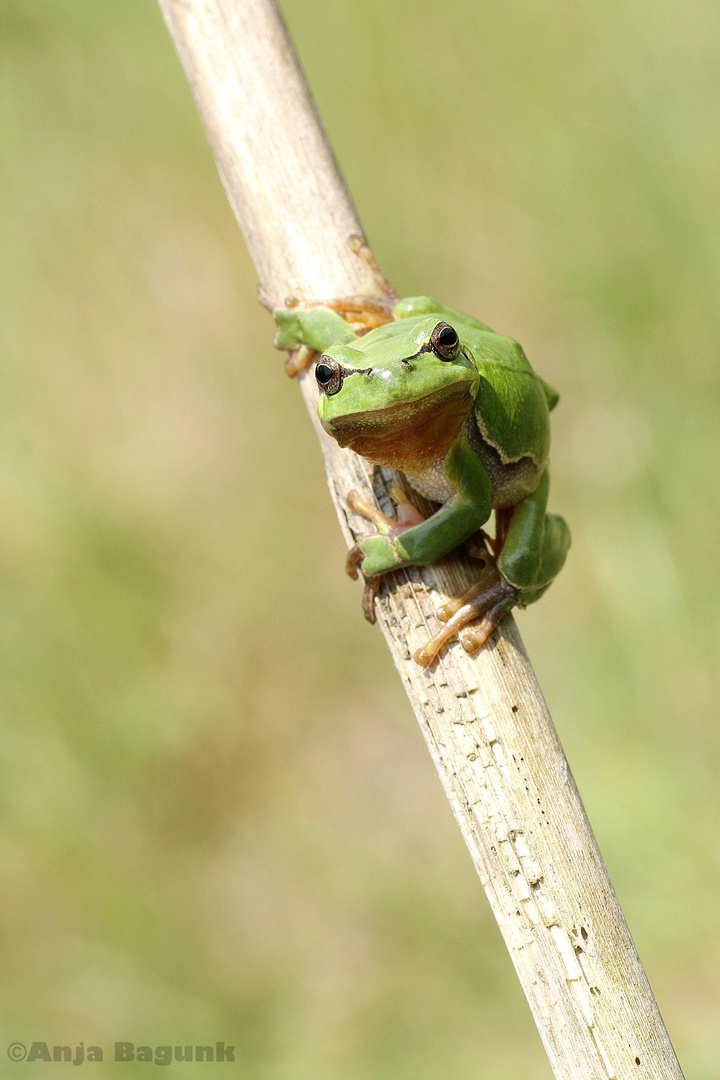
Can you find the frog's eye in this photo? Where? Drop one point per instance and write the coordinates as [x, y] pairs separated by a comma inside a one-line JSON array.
[[445, 341], [328, 375]]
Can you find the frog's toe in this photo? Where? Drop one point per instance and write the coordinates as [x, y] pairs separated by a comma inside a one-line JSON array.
[[299, 360], [357, 502], [473, 638], [354, 557], [376, 554], [487, 600], [446, 611], [353, 564], [407, 513], [370, 591]]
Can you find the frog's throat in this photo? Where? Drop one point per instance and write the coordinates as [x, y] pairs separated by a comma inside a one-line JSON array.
[[410, 434]]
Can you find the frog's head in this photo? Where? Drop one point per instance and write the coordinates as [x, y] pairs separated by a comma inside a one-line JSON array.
[[398, 396]]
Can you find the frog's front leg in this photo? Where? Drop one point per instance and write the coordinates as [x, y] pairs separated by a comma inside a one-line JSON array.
[[312, 330], [398, 544], [368, 312], [407, 515], [316, 325], [533, 550]]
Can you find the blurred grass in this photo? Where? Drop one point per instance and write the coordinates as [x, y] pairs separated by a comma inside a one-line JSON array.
[[219, 821]]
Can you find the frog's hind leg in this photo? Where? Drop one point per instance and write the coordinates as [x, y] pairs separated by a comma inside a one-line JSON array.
[[533, 548], [483, 548], [555, 545], [535, 545], [530, 547], [488, 599], [451, 607], [497, 601], [549, 543]]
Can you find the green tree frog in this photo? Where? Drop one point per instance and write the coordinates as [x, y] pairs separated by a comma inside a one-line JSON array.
[[459, 411]]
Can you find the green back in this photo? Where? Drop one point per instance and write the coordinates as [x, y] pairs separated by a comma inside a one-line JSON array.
[[512, 405]]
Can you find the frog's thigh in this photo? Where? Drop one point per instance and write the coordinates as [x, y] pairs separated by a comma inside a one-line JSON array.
[[520, 557], [556, 541], [318, 328], [535, 546]]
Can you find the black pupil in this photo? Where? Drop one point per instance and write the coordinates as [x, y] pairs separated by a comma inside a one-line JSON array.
[[323, 373], [447, 337]]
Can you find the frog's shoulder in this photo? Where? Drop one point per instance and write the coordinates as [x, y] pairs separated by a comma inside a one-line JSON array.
[[501, 357], [512, 405]]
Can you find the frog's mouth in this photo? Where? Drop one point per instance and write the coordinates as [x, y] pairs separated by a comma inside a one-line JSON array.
[[407, 434]]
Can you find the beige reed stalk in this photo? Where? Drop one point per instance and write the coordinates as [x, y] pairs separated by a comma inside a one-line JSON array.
[[484, 720]]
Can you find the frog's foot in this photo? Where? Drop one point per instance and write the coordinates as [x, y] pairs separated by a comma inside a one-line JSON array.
[[487, 600], [363, 313], [382, 522], [298, 360], [477, 547], [408, 515], [385, 525], [451, 607], [473, 638], [355, 556], [372, 584]]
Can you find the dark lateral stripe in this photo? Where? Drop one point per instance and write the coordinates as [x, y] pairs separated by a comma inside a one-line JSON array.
[[427, 347], [345, 371]]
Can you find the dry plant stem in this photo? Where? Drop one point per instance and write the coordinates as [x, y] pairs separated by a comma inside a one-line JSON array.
[[484, 719]]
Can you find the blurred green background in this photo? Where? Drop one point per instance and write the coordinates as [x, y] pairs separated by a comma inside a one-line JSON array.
[[219, 820]]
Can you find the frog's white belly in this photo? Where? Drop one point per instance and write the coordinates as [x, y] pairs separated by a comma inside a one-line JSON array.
[[431, 482], [510, 481]]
